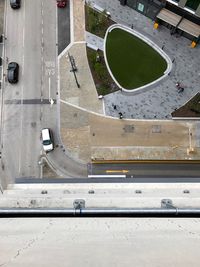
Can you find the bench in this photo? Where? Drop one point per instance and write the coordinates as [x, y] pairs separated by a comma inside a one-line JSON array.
[[101, 10], [94, 47]]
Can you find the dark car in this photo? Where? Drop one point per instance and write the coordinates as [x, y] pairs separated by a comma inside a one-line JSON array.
[[13, 72], [15, 4], [61, 3]]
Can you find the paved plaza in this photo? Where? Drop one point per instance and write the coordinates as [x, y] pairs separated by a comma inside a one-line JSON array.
[[163, 98], [87, 128]]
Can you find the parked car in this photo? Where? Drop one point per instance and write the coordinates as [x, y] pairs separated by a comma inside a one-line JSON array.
[[15, 4], [47, 140], [13, 72], [61, 3]]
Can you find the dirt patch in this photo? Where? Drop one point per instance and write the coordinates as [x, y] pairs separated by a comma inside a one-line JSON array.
[[190, 109], [96, 22], [102, 79]]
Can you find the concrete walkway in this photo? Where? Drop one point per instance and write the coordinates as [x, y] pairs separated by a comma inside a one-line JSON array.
[[86, 96], [162, 99]]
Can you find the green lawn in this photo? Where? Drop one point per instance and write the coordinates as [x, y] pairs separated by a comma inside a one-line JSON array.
[[132, 62]]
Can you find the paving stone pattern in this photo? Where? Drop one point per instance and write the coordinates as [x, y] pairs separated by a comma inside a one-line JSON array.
[[160, 100]]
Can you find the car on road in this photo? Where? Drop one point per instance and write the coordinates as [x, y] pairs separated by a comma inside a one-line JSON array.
[[61, 3], [15, 4], [47, 140], [13, 72]]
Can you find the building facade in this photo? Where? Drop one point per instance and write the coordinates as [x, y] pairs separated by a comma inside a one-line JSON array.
[[185, 12]]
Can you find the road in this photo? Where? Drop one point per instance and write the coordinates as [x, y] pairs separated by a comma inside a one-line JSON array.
[[63, 27], [33, 103], [148, 170], [31, 42]]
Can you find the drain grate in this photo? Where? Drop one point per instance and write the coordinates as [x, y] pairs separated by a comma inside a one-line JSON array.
[[156, 128], [129, 128]]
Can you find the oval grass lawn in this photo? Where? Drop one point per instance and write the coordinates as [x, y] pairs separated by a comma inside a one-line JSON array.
[[132, 62]]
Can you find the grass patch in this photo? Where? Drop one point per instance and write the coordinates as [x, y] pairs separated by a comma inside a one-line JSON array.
[[133, 62], [103, 81], [97, 23], [190, 109]]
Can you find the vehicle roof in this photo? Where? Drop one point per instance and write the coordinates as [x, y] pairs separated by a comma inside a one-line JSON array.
[[45, 133], [12, 64]]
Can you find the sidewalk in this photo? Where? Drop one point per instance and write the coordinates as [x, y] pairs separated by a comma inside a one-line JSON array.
[[90, 136], [86, 96]]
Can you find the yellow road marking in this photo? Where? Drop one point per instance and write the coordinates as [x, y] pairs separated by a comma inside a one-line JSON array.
[[115, 171], [146, 161]]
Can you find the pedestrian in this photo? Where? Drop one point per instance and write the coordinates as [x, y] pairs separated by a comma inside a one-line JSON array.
[[131, 26], [120, 115], [163, 47], [178, 85], [115, 107], [181, 89]]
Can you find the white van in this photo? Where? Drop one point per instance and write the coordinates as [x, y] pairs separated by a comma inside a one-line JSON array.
[[47, 140]]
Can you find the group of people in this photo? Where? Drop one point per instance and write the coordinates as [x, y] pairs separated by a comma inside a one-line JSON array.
[[179, 87], [119, 113]]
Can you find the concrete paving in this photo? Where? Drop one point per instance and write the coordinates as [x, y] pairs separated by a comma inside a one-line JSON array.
[[160, 100], [89, 136], [98, 242], [86, 96]]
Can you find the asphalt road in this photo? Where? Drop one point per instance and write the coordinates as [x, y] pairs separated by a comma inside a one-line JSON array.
[[146, 171], [63, 27], [33, 103], [31, 42]]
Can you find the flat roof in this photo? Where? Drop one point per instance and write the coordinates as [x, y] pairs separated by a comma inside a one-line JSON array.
[[169, 17], [189, 27]]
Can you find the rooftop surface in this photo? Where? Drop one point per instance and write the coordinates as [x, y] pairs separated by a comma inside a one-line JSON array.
[[99, 242]]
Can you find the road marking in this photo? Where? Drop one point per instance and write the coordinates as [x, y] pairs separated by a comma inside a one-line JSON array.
[[106, 176], [42, 52], [23, 42], [49, 88], [23, 51], [23, 38], [21, 126], [116, 171], [5, 31], [146, 161]]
